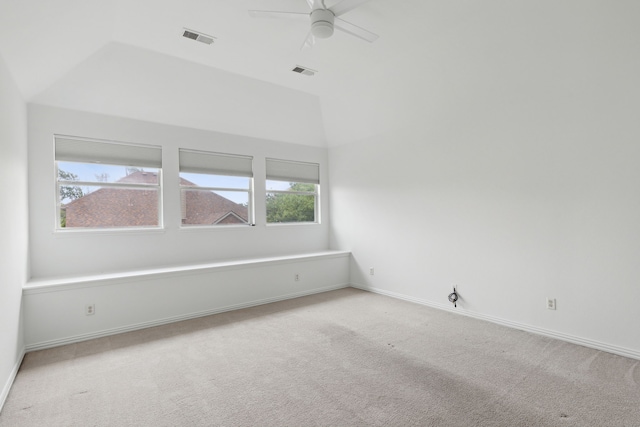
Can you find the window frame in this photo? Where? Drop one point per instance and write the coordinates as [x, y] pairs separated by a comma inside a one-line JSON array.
[[293, 172], [211, 173], [157, 187], [316, 203]]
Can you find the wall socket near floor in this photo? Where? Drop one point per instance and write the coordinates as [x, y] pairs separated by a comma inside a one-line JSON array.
[[371, 271], [551, 303], [296, 277], [90, 309]]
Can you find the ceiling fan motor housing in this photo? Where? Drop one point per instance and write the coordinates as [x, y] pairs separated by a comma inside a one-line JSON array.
[[322, 23]]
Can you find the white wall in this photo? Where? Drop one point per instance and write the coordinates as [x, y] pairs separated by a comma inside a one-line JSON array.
[[173, 91], [13, 221], [67, 254], [165, 291], [510, 169], [55, 315]]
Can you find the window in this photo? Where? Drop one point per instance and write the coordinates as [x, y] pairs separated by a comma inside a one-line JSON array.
[[106, 184], [215, 189], [292, 191]]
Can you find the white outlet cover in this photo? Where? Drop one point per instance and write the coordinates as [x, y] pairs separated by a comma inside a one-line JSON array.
[[551, 303]]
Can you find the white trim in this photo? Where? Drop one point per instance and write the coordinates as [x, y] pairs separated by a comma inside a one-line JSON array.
[[37, 286], [83, 232], [11, 379], [288, 224], [609, 348], [144, 325]]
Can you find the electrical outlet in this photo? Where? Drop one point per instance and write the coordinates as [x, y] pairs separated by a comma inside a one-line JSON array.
[[551, 303], [90, 309], [371, 271], [296, 277]]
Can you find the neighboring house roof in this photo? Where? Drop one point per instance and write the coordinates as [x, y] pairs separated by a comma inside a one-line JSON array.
[[115, 207]]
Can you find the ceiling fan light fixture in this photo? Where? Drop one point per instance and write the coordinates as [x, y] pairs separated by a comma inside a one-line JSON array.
[[322, 23]]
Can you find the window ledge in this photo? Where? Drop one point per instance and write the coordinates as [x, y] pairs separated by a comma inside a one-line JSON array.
[[74, 232], [200, 228], [294, 224], [45, 285]]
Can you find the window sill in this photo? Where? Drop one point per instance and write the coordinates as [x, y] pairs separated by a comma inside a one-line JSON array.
[[294, 224], [200, 228], [44, 285], [71, 232]]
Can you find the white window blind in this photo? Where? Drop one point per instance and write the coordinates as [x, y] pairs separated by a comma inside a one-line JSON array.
[[215, 163], [113, 153], [285, 170]]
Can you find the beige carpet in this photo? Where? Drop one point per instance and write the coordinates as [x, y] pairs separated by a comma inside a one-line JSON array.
[[342, 358]]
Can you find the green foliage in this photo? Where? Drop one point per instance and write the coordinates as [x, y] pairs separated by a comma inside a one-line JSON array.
[[301, 186], [67, 192], [282, 207], [63, 217]]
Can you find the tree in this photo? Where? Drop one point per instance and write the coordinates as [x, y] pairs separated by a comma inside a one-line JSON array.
[[68, 192], [294, 207], [102, 177]]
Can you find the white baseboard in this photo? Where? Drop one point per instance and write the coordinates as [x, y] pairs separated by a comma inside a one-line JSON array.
[[11, 379], [144, 325], [621, 351]]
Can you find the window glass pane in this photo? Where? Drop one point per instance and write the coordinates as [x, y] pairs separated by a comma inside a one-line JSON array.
[[284, 204], [107, 184], [96, 172], [273, 185], [204, 207], [282, 207], [218, 181], [216, 188], [99, 207]]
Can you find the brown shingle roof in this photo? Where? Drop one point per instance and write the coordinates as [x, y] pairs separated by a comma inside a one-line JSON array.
[[114, 207]]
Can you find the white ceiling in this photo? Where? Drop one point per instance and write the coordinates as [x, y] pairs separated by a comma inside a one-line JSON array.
[[43, 39], [70, 53], [432, 55]]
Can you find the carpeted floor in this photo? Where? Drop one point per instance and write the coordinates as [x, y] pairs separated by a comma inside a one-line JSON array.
[[342, 358]]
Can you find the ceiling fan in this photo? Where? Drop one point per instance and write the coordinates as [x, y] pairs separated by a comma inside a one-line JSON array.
[[323, 20]]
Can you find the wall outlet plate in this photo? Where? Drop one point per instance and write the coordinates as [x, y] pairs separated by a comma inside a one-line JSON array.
[[90, 309], [551, 303]]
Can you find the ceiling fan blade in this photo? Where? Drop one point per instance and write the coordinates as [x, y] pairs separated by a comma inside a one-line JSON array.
[[278, 14], [310, 3], [308, 42], [354, 30], [345, 6]]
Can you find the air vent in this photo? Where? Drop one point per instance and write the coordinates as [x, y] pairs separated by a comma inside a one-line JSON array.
[[304, 71], [194, 35]]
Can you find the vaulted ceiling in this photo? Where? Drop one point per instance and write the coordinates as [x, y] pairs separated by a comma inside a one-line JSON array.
[[44, 39], [91, 54]]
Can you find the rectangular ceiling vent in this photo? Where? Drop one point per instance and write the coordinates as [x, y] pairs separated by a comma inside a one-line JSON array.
[[304, 71], [194, 35]]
